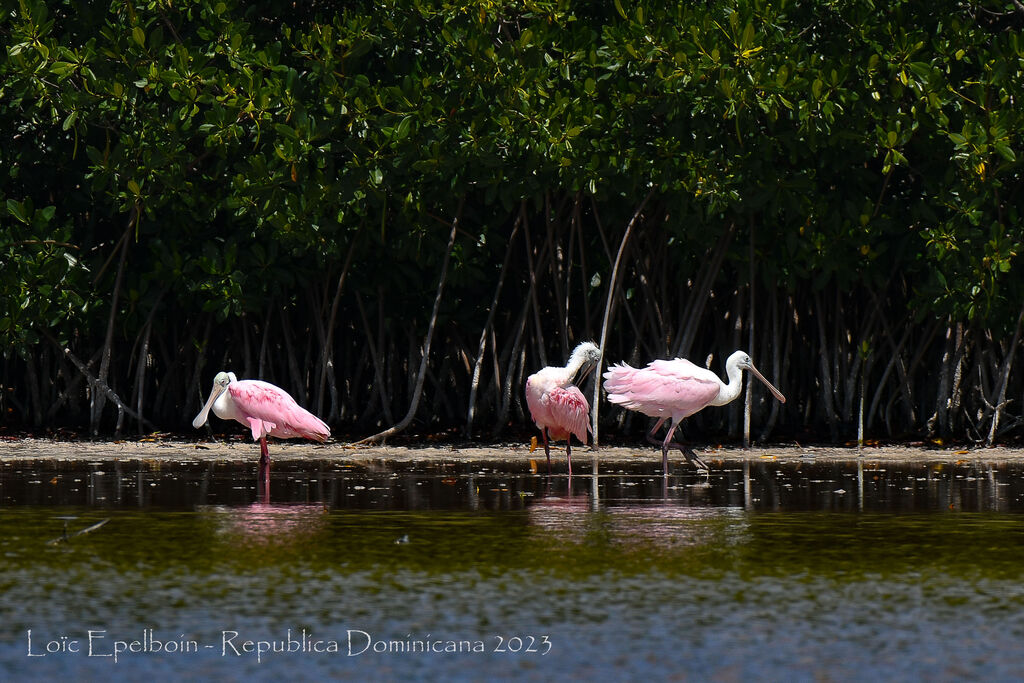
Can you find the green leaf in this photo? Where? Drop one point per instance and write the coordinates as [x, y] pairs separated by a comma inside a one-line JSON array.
[[1005, 151], [622, 12], [402, 130], [62, 69], [921, 70], [17, 209], [139, 35], [747, 39], [781, 75], [286, 131]]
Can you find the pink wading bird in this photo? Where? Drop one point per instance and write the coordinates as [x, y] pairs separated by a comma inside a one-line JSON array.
[[674, 389], [263, 408], [557, 407]]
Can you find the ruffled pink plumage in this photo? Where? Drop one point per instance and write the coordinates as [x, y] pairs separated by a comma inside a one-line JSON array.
[[557, 406], [665, 388], [271, 411], [563, 410]]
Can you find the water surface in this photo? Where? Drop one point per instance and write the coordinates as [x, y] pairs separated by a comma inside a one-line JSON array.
[[758, 571]]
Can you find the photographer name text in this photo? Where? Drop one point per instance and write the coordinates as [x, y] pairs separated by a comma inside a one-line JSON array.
[[354, 643]]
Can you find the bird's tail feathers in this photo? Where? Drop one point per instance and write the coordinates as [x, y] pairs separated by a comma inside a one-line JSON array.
[[617, 377]]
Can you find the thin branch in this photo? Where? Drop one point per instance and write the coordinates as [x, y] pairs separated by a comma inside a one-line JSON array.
[[97, 384], [97, 402], [1004, 376], [608, 312], [417, 392], [378, 370], [747, 399], [326, 356], [482, 346]]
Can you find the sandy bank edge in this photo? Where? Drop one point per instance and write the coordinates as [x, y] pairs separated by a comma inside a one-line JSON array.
[[203, 451]]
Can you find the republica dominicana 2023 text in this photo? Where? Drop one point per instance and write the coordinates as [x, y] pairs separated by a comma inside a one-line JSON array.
[[354, 643]]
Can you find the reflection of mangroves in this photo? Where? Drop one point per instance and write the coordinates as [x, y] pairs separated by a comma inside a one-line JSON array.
[[826, 485]]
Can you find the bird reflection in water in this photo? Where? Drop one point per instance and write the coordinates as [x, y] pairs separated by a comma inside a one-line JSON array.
[[584, 518], [265, 524]]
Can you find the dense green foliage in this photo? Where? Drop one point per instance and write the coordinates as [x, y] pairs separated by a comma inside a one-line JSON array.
[[201, 185]]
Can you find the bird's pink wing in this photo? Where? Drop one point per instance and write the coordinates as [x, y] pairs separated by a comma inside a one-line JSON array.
[[664, 388], [277, 412], [568, 410]]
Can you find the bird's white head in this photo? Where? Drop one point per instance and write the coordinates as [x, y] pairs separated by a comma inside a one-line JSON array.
[[224, 379], [585, 356], [589, 352], [740, 360], [220, 384]]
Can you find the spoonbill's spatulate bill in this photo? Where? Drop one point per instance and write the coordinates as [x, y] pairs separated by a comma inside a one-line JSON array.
[[675, 389], [265, 409], [556, 405]]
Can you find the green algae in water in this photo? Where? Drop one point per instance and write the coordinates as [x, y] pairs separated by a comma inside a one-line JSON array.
[[659, 584]]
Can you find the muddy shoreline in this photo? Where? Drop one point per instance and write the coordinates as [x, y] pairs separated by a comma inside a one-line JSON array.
[[238, 450]]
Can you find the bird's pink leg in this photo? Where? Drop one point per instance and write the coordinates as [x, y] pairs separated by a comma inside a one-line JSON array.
[[547, 449], [650, 435], [664, 448], [683, 448], [264, 455], [658, 442], [568, 452], [264, 473]]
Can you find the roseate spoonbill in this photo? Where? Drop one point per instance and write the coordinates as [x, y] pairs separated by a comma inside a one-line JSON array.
[[264, 408], [675, 389], [557, 407]]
